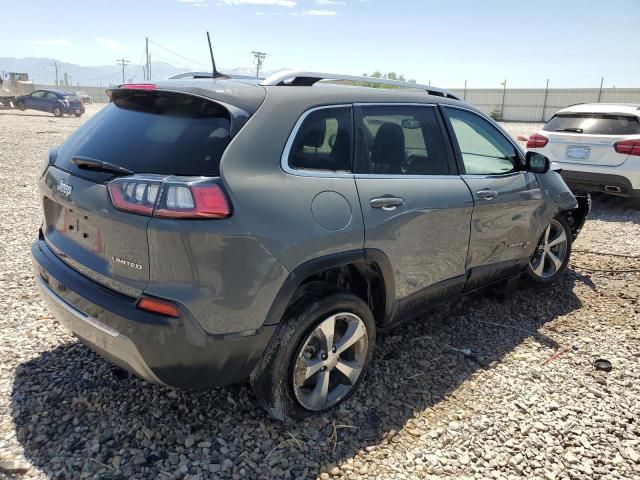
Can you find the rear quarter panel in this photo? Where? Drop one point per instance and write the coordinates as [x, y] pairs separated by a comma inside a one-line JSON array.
[[275, 206]]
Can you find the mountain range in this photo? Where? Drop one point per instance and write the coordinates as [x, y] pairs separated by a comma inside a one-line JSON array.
[[42, 71]]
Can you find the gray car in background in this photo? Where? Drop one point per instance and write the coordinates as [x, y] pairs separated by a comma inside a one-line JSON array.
[[199, 232]]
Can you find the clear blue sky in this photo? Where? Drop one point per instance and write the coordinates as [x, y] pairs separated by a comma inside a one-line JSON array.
[[572, 42]]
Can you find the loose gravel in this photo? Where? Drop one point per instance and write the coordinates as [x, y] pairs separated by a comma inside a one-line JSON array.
[[483, 388]]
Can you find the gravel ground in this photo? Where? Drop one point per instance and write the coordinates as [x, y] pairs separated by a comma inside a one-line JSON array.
[[483, 388]]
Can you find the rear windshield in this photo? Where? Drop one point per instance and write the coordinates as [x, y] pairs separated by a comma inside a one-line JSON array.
[[594, 124], [152, 132]]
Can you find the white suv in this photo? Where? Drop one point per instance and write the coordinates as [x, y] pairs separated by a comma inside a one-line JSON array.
[[597, 146]]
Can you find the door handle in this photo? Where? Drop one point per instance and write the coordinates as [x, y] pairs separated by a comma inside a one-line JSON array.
[[487, 194], [386, 203]]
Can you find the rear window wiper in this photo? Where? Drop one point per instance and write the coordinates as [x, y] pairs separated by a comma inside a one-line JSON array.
[[87, 163], [576, 130]]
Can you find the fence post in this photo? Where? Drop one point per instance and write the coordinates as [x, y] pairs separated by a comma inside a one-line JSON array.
[[544, 104], [464, 94], [600, 91], [504, 93]]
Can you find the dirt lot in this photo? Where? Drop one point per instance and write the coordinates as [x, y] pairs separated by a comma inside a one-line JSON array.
[[480, 389]]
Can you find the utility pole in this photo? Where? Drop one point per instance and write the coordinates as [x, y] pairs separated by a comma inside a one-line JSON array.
[[600, 91], [147, 76], [55, 65], [149, 67], [124, 63], [544, 104], [258, 59]]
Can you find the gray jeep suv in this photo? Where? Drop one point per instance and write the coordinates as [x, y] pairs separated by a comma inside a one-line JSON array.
[[199, 232]]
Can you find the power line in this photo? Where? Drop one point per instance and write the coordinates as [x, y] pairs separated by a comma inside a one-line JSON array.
[[258, 59], [124, 63], [190, 60], [172, 62]]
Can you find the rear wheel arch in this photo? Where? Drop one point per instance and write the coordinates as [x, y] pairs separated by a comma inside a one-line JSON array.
[[366, 273]]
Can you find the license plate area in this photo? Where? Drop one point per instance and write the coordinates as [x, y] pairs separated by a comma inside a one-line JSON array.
[[578, 152], [80, 228]]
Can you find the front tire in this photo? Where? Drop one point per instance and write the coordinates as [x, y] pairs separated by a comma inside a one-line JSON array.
[[319, 356], [551, 256], [20, 106], [57, 112]]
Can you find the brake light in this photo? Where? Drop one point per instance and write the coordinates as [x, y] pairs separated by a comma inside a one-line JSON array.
[[138, 86], [172, 199], [205, 201], [159, 307], [537, 141], [628, 147], [135, 196]]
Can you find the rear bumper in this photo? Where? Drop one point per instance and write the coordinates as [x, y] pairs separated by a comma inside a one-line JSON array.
[[170, 351], [75, 108], [613, 184]]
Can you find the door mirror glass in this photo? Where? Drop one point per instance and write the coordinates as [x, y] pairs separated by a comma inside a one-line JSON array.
[[536, 163]]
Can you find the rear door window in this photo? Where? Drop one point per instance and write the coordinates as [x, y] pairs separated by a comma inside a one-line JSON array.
[[323, 141], [594, 124], [401, 140], [152, 132]]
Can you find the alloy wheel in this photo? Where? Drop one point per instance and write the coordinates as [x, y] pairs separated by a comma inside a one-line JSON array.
[[330, 361], [551, 252]]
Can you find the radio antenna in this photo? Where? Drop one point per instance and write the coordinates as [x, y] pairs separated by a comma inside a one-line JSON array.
[[213, 60]]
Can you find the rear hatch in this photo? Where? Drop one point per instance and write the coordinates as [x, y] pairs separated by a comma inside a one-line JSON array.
[[589, 138], [155, 135]]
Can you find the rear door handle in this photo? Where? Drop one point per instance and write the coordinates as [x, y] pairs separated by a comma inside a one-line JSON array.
[[386, 203], [487, 194]]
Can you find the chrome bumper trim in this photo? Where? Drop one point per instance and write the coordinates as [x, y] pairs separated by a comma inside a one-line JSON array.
[[74, 311]]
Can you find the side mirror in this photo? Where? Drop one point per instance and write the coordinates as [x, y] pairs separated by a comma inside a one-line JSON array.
[[536, 163]]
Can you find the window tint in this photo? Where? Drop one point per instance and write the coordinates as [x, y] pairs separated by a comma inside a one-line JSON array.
[[594, 124], [401, 140], [484, 149], [38, 94], [152, 132], [323, 141]]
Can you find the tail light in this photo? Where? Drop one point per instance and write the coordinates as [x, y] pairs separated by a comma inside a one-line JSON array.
[[628, 147], [201, 198], [537, 141]]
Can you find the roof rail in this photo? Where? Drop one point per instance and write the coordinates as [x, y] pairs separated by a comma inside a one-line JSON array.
[[302, 78], [209, 75]]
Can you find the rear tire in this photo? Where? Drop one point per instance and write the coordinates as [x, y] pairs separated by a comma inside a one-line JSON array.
[[551, 256], [57, 112], [306, 370]]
